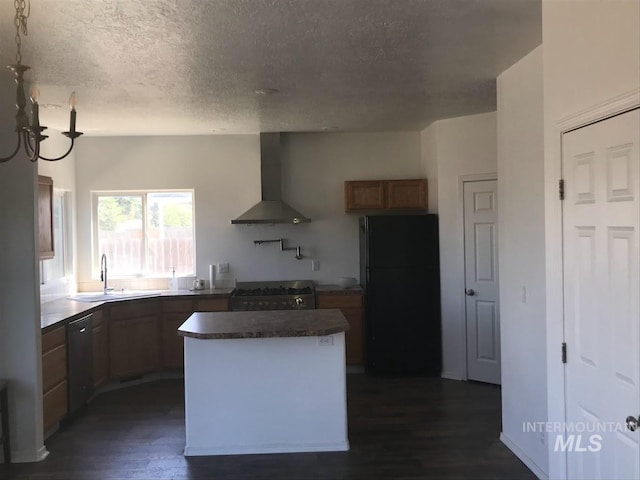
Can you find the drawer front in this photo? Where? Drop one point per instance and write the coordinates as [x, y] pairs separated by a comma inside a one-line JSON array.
[[54, 367], [54, 405], [133, 309], [177, 305], [212, 305], [339, 301], [53, 339]]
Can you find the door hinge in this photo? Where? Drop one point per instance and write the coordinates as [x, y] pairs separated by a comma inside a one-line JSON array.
[[564, 352], [561, 188]]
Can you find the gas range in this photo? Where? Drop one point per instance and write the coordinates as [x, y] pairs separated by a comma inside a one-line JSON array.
[[274, 295]]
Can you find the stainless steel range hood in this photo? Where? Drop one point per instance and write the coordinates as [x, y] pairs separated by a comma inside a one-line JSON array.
[[271, 209]]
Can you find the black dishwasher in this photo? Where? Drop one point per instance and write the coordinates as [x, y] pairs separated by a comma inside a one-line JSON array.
[[80, 361]]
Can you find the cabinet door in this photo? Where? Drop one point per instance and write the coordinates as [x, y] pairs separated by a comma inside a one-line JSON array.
[[100, 355], [354, 337], [133, 346], [45, 216], [407, 194], [364, 195], [54, 405]]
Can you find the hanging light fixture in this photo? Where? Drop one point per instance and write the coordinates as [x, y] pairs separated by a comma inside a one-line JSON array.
[[30, 132]]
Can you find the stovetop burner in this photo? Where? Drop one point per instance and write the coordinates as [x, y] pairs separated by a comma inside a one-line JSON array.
[[258, 292], [273, 295]]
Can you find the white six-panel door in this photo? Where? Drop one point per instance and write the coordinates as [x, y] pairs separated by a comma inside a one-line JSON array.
[[481, 280], [601, 218]]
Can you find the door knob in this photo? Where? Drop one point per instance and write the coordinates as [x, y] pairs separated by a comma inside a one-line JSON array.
[[632, 423], [470, 292]]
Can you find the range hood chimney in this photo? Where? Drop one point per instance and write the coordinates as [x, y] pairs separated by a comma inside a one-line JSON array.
[[271, 209]]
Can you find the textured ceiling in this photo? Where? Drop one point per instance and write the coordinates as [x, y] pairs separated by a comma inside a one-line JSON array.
[[189, 66]]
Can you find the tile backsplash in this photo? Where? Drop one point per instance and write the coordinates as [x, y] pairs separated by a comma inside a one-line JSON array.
[[56, 289], [141, 283]]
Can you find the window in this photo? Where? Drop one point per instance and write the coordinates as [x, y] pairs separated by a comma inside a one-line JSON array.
[[145, 233]]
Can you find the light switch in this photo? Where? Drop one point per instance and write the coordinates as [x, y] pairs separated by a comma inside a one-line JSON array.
[[315, 265]]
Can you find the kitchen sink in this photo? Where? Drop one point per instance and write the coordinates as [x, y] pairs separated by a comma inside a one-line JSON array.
[[113, 296]]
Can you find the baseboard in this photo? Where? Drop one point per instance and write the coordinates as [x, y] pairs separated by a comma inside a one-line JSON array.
[[451, 376], [29, 456], [150, 377], [258, 449], [531, 465]]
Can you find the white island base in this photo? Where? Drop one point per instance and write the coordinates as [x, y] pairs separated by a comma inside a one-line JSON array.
[[265, 395]]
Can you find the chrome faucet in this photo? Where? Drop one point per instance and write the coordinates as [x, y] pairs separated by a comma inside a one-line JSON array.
[[103, 272]]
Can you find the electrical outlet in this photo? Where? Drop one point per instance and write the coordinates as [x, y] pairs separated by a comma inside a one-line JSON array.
[[315, 265], [325, 341], [223, 268]]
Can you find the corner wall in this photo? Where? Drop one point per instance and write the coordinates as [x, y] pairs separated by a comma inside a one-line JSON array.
[[429, 154], [464, 146], [19, 293], [521, 248]]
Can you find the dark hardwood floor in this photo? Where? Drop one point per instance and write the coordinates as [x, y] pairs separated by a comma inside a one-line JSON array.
[[414, 428]]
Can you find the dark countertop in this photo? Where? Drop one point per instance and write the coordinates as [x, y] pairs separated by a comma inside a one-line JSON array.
[[64, 309], [338, 290], [58, 311], [263, 324]]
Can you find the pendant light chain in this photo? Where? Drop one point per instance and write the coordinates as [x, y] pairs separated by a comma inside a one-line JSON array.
[[20, 22]]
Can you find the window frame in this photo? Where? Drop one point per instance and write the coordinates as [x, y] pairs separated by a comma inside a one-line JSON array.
[[96, 194]]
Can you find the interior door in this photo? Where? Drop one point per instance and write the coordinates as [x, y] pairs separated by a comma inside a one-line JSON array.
[[481, 280], [600, 246]]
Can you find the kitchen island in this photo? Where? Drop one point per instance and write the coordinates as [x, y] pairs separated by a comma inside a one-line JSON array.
[[265, 382]]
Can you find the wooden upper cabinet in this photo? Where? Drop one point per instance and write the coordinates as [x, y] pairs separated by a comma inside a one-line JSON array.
[[376, 195], [364, 195], [407, 194], [45, 216]]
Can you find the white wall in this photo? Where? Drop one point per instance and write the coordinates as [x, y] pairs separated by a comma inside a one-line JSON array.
[[464, 146], [19, 294], [591, 56], [521, 254], [429, 153], [225, 173]]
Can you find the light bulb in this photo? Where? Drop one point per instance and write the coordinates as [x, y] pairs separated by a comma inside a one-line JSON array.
[[73, 100], [35, 94]]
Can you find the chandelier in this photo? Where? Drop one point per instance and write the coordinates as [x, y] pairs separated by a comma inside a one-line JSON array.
[[30, 132]]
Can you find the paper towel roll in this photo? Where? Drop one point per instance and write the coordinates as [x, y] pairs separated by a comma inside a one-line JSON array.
[[212, 277]]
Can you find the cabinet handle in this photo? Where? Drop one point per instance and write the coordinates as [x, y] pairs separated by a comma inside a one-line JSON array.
[[83, 329]]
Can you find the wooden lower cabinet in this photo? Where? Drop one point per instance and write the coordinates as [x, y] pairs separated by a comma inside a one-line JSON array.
[[174, 314], [351, 306], [54, 377], [100, 350], [134, 339], [212, 304]]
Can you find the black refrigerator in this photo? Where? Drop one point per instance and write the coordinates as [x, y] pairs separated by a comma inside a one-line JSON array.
[[399, 270]]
